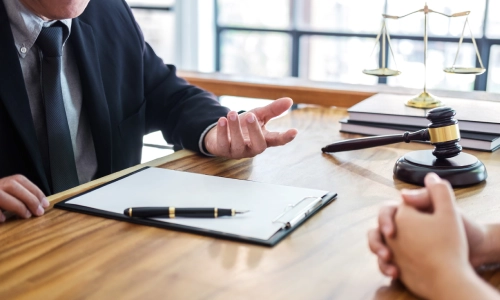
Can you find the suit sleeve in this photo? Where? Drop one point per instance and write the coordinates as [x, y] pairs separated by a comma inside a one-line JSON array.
[[180, 110]]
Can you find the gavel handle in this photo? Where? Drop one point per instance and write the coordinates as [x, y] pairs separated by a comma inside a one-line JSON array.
[[374, 141]]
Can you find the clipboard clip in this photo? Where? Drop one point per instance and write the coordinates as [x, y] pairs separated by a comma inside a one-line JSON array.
[[294, 213]]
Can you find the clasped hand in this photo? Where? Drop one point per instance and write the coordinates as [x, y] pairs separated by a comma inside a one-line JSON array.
[[245, 135], [426, 240]]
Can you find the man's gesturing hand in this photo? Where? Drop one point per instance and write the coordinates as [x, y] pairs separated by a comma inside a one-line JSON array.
[[239, 136], [22, 197]]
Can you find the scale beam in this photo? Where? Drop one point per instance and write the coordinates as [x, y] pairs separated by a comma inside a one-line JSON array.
[[400, 17], [460, 14], [425, 99]]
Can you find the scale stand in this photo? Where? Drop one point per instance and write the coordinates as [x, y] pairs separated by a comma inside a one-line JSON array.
[[425, 99]]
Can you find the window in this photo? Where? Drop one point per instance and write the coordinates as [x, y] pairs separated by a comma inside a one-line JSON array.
[[331, 40], [256, 53], [334, 58], [409, 57], [157, 21], [494, 73]]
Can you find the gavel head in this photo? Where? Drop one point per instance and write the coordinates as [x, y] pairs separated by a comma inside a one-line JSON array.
[[444, 132]]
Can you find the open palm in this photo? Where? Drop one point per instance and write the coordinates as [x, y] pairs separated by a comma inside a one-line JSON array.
[[245, 135]]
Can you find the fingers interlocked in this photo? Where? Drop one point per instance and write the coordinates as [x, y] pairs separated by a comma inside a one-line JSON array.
[[418, 199], [376, 240]]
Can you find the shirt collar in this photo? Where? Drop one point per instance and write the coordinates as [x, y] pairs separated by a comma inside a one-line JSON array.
[[26, 26]]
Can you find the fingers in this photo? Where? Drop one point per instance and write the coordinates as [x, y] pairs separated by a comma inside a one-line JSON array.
[[276, 108], [257, 143], [32, 188], [237, 143], [22, 197], [17, 191], [386, 220], [377, 245], [384, 255], [239, 136], [12, 204], [223, 144], [230, 140], [274, 139], [388, 269], [440, 193], [418, 198]]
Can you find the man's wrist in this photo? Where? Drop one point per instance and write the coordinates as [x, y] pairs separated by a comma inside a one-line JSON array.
[[201, 142]]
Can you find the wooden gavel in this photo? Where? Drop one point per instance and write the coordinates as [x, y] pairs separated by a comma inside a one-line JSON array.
[[442, 132]]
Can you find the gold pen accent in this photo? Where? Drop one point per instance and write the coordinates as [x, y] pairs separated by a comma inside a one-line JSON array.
[[215, 212], [130, 212], [171, 212], [233, 212]]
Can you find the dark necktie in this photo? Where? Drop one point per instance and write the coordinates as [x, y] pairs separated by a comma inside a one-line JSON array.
[[61, 157]]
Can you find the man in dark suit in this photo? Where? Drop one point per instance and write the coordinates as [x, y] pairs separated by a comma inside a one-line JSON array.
[[79, 88]]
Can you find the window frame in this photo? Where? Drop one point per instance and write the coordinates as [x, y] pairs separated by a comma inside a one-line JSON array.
[[484, 43]]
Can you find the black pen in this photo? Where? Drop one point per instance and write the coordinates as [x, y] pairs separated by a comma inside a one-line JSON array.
[[187, 212]]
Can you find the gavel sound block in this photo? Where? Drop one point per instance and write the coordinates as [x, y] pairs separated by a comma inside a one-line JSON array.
[[447, 159]]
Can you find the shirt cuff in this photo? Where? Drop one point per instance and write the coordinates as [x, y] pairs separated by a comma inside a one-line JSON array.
[[201, 145]]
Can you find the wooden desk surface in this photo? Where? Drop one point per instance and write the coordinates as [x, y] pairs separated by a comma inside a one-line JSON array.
[[68, 255]]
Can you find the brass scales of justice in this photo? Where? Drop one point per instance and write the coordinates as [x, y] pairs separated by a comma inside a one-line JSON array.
[[425, 99]]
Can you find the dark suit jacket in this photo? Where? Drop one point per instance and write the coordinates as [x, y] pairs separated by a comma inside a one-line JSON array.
[[127, 92]]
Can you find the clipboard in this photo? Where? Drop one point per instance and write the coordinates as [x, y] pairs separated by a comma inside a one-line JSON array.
[[291, 217]]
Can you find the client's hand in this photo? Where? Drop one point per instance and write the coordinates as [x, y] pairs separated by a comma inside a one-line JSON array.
[[477, 234], [239, 136], [430, 248], [21, 196]]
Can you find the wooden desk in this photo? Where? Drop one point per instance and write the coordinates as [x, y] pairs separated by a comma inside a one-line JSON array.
[[68, 255]]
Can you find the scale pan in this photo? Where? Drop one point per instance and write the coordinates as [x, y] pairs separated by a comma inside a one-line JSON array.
[[462, 70], [382, 72]]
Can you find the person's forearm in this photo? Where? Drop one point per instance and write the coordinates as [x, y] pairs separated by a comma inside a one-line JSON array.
[[491, 253], [464, 285]]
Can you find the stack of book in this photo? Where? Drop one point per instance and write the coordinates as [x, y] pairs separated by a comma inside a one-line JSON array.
[[381, 114]]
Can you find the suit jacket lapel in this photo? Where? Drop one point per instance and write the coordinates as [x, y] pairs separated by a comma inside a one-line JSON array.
[[94, 98], [14, 96]]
